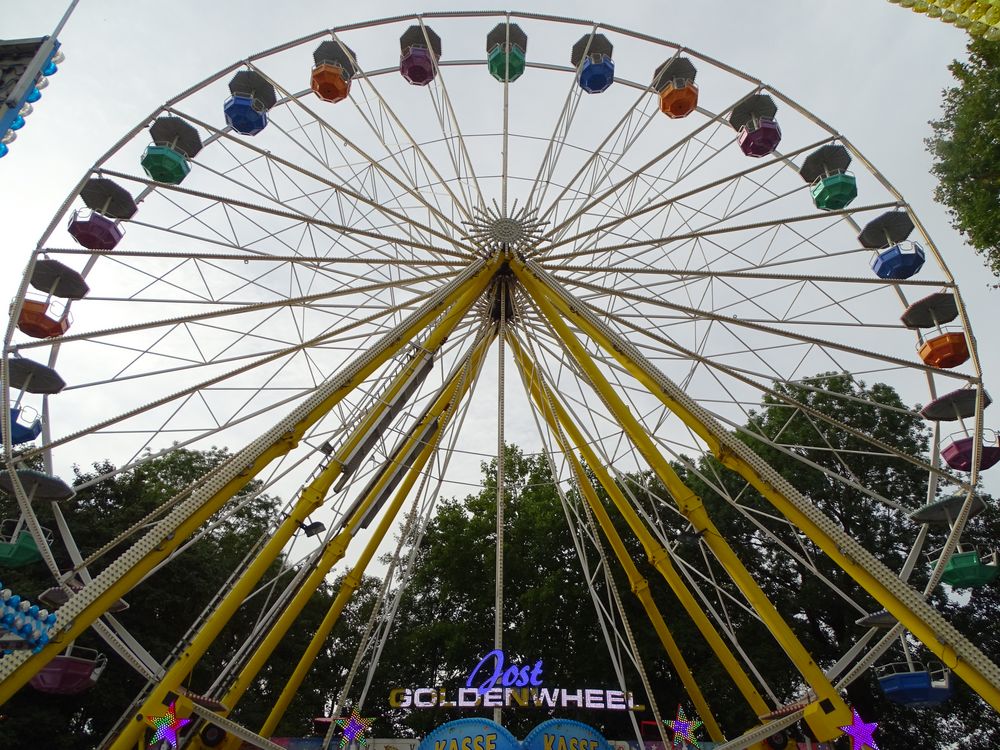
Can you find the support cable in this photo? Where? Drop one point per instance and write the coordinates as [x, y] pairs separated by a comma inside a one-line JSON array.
[[601, 616], [599, 546]]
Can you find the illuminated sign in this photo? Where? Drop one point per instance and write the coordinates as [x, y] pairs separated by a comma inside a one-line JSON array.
[[512, 676], [861, 734], [683, 730], [167, 726], [495, 683], [353, 729]]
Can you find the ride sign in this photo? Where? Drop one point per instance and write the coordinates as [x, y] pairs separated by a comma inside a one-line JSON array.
[[511, 685], [513, 676], [564, 734]]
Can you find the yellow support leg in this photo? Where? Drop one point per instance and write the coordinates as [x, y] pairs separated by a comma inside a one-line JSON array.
[[906, 605], [441, 411], [557, 416], [459, 303], [835, 713], [638, 584], [334, 550], [132, 566]]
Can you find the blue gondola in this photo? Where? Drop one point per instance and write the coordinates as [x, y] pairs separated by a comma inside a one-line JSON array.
[[25, 425], [914, 684], [901, 261]]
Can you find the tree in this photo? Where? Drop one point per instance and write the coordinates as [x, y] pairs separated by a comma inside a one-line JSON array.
[[966, 150], [828, 631], [322, 685], [161, 608], [445, 621]]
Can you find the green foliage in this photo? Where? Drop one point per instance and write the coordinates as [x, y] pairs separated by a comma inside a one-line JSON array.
[[966, 150], [446, 619], [445, 623], [319, 691], [161, 608], [826, 628]]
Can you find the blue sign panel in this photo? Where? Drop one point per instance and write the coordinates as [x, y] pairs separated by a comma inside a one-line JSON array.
[[471, 734], [563, 734]]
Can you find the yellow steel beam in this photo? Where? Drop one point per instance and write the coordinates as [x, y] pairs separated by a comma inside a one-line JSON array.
[[906, 605], [334, 549], [312, 497], [131, 567], [442, 410], [825, 724], [638, 584], [553, 409]]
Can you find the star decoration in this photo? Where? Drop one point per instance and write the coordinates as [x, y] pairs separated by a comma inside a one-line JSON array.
[[860, 733], [684, 730], [354, 729], [167, 726]]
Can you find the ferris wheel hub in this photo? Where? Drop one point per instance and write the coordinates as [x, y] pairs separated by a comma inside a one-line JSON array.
[[507, 231], [496, 231]]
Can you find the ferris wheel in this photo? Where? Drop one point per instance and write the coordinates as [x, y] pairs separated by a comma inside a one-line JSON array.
[[329, 255]]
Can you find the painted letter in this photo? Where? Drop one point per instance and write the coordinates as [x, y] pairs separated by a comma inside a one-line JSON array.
[[632, 705], [420, 702], [491, 681], [546, 697], [568, 697], [399, 698], [536, 673], [522, 677], [515, 697]]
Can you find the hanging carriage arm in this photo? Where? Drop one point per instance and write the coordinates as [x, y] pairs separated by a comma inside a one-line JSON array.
[[334, 549], [424, 437]]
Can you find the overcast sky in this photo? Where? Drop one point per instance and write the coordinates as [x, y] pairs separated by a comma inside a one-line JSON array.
[[873, 70], [870, 68]]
